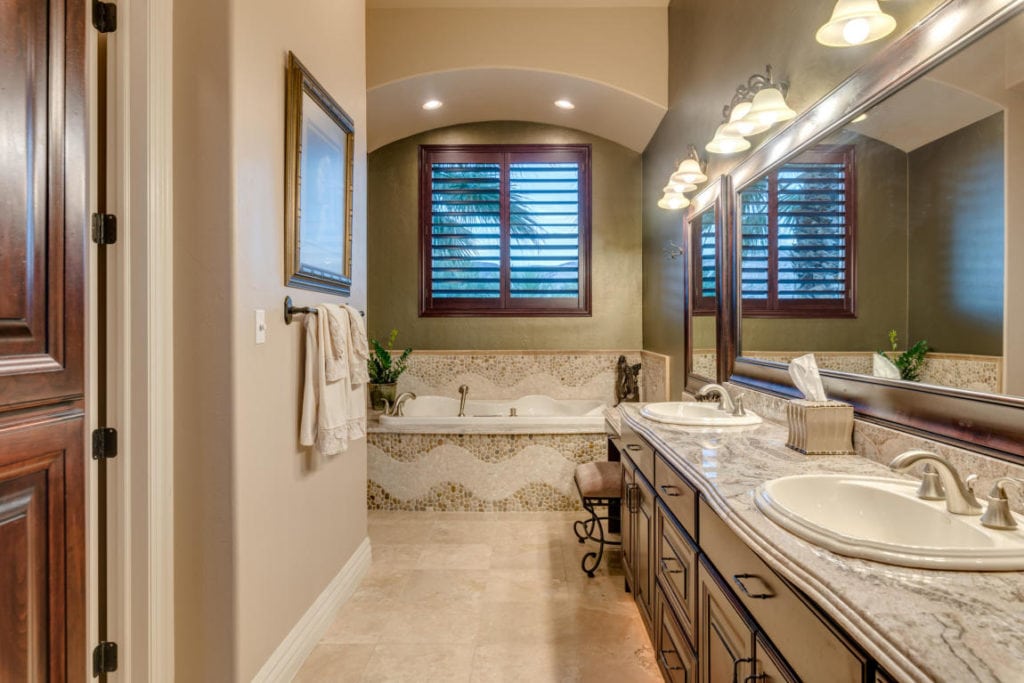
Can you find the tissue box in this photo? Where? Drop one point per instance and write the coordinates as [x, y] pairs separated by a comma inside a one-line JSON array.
[[820, 427]]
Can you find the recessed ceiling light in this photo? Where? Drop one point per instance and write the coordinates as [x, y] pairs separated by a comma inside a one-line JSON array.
[[432, 104], [564, 104]]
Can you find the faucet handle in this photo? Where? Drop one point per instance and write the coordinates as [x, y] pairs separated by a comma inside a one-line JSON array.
[[387, 407], [737, 403], [931, 485], [970, 481], [997, 514]]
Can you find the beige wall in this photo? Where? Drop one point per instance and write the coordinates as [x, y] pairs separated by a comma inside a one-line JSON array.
[[623, 47], [394, 249], [261, 528], [712, 48]]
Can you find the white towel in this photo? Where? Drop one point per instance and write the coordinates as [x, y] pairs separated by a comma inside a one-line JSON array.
[[348, 349], [333, 411], [359, 347]]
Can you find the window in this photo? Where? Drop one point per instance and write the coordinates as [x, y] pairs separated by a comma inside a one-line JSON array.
[[797, 238], [505, 230], [703, 234]]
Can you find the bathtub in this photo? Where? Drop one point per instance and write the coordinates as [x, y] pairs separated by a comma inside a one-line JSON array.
[[533, 415]]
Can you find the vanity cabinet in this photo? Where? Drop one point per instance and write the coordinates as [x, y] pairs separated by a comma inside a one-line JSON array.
[[716, 612]]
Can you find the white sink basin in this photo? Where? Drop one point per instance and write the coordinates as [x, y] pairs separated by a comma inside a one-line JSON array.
[[883, 520], [696, 415]]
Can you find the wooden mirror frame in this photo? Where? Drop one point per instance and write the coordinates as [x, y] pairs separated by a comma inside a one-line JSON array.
[[716, 196], [989, 423]]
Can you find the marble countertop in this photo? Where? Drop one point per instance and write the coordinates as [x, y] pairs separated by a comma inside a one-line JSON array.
[[921, 625]]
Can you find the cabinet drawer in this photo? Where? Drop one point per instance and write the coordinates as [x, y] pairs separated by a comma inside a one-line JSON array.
[[676, 660], [810, 645], [633, 446], [678, 494], [676, 569]]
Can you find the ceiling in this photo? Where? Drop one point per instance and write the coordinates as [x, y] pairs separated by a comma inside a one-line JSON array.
[[509, 94]]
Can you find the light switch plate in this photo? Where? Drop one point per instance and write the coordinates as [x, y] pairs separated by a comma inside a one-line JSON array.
[[261, 326]]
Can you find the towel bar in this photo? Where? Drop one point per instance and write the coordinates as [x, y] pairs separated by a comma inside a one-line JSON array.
[[290, 310]]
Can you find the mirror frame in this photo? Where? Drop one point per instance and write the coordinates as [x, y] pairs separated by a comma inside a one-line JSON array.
[[990, 423], [716, 196]]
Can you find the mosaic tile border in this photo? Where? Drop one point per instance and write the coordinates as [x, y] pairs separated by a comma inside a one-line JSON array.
[[454, 497]]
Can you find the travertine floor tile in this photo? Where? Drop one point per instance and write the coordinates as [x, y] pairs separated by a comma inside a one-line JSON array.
[[484, 597]]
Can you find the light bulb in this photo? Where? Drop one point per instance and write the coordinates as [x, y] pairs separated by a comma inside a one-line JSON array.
[[564, 104], [856, 31], [430, 105]]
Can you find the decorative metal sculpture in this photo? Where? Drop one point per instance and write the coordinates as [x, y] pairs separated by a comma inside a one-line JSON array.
[[627, 386]]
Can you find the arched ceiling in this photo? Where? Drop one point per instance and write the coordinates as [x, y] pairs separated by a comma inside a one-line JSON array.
[[394, 110]]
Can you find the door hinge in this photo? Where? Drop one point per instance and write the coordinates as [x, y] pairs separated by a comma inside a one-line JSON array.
[[104, 16], [104, 228], [104, 658], [104, 443]]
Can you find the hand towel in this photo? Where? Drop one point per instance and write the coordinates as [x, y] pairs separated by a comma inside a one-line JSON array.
[[359, 347], [333, 411]]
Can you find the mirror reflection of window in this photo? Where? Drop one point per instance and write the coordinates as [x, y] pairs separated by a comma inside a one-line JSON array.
[[939, 242], [704, 278]]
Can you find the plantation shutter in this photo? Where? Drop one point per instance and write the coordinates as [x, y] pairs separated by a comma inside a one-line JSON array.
[[465, 230], [797, 238], [704, 262], [505, 230]]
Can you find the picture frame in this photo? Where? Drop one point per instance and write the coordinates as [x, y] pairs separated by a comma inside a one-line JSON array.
[[319, 151]]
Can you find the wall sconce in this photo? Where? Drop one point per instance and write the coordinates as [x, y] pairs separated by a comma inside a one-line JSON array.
[[855, 22], [691, 170], [673, 201], [756, 106]]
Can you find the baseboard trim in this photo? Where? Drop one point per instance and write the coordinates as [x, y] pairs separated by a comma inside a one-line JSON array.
[[287, 659]]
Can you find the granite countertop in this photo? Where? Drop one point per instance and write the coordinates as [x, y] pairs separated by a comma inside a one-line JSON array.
[[921, 625]]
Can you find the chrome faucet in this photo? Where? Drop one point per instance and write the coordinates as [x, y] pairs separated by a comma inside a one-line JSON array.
[[395, 409], [960, 499], [724, 400], [997, 514], [463, 392]]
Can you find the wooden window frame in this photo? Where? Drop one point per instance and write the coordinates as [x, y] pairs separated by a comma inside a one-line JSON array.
[[505, 305], [772, 307], [702, 305]]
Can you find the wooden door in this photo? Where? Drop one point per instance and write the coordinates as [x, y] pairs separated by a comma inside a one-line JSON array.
[[724, 636], [43, 219]]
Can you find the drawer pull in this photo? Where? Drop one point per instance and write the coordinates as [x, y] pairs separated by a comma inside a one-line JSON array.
[[738, 580], [634, 447], [631, 502], [735, 668], [671, 491], [666, 570], [756, 678], [664, 660]]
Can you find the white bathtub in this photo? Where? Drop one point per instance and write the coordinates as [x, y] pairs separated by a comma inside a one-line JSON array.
[[534, 415]]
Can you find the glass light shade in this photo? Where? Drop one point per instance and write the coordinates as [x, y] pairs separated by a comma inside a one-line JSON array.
[[689, 172], [741, 124], [675, 187], [855, 22], [769, 106], [673, 201], [723, 143]]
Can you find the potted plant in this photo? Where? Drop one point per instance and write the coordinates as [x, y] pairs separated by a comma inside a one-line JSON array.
[[910, 361], [385, 370]]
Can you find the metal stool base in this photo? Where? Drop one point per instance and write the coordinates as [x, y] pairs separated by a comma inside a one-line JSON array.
[[585, 528]]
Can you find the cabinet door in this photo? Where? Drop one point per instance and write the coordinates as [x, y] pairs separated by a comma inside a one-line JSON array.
[[675, 655], [769, 665], [643, 583], [676, 569], [626, 514], [42, 534], [725, 637]]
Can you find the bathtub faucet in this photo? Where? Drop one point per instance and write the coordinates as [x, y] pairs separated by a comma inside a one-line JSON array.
[[395, 410], [463, 392]]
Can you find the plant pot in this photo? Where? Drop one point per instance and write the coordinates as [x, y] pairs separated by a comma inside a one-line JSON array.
[[381, 392]]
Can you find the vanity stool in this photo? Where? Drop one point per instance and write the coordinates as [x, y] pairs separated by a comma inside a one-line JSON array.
[[600, 486]]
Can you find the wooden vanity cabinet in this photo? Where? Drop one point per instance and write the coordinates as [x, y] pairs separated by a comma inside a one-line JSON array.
[[713, 607]]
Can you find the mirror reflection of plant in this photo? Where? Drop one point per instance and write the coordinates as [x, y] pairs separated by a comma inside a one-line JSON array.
[[910, 362], [384, 368]]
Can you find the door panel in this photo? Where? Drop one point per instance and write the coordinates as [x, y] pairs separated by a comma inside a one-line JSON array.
[[643, 536], [42, 202], [725, 642]]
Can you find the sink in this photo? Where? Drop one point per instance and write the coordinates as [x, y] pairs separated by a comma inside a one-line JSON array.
[[883, 520], [696, 415]]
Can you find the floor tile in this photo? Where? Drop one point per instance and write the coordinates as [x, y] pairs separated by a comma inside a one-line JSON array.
[[420, 662], [334, 663]]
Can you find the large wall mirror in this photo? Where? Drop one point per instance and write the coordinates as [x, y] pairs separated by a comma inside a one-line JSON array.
[[884, 231], [702, 231]]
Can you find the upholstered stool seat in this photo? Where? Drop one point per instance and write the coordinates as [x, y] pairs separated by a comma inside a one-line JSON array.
[[599, 485]]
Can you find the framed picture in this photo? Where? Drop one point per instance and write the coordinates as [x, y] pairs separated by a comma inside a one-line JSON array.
[[319, 146]]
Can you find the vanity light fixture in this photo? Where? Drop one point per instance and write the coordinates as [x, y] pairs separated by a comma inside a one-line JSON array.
[[743, 125], [431, 105], [723, 143], [855, 22], [678, 188], [564, 104], [673, 201], [769, 107], [691, 171], [859, 118]]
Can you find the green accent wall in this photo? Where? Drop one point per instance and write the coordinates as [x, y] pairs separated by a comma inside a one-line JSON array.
[[393, 249], [957, 238]]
